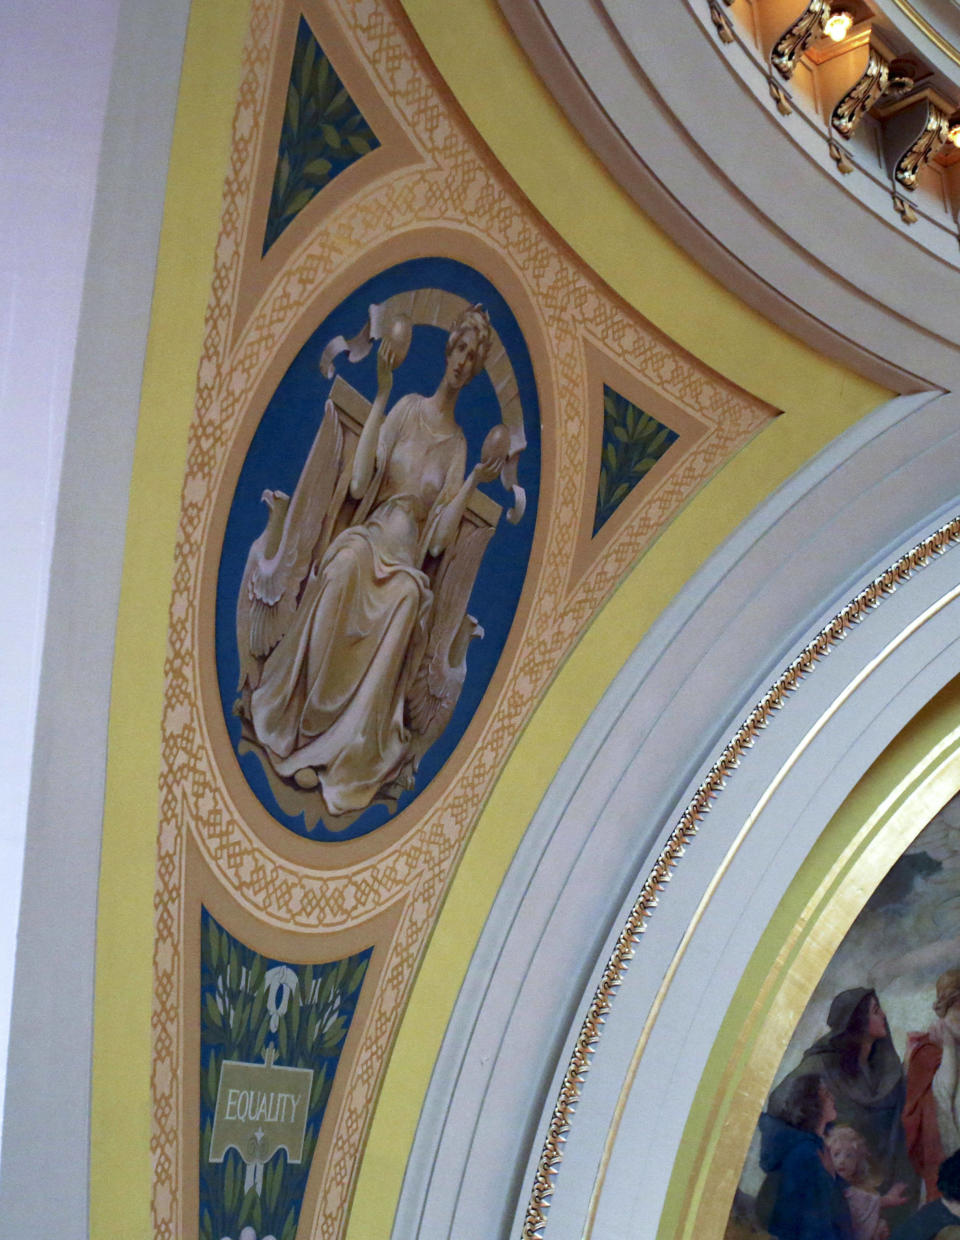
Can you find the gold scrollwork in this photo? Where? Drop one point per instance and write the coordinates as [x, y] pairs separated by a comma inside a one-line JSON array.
[[779, 97], [724, 29], [683, 833], [851, 109], [839, 157], [931, 138], [904, 210], [797, 38]]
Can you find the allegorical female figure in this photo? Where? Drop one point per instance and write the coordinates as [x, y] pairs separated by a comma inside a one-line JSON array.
[[331, 705]]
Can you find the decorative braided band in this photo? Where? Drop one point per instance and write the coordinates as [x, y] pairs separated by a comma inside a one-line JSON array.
[[776, 696]]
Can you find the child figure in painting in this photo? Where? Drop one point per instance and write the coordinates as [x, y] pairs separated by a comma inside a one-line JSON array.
[[852, 1162], [802, 1197]]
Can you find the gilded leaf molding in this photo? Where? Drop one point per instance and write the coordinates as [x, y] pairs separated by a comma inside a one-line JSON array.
[[847, 80], [798, 36], [927, 143], [855, 104]]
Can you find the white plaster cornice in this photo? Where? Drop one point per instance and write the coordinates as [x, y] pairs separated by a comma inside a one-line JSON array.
[[704, 151]]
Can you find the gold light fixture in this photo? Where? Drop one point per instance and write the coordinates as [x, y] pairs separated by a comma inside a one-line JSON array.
[[837, 23], [953, 132]]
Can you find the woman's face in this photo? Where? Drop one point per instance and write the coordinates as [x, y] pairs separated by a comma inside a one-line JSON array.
[[952, 1018], [462, 358], [876, 1021]]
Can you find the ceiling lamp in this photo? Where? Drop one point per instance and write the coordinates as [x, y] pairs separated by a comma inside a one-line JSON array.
[[837, 23], [953, 132]]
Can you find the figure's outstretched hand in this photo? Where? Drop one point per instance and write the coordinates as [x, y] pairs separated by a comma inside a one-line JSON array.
[[486, 471], [394, 346], [387, 362], [895, 1196], [493, 454]]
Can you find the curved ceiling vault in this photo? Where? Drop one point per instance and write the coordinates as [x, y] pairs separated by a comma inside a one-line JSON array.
[[654, 165]]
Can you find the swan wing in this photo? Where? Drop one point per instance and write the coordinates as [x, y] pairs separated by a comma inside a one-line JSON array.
[[276, 575], [436, 686]]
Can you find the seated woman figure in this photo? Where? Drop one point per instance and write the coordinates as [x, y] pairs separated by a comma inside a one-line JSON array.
[[329, 708]]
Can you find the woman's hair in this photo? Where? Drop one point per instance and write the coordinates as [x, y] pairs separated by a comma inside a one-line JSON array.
[[849, 1038], [948, 992], [474, 319], [801, 1103]]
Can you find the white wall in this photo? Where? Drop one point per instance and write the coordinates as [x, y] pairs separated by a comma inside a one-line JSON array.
[[88, 107], [55, 61]]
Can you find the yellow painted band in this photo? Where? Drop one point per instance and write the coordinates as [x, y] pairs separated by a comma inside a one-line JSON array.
[[820, 399], [909, 782], [120, 1165]]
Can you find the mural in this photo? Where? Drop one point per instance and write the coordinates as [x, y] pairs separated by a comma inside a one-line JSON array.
[[271, 1038], [344, 627], [633, 442], [323, 132], [860, 1137]]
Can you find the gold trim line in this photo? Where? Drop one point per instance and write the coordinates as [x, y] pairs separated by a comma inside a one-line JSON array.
[[933, 35]]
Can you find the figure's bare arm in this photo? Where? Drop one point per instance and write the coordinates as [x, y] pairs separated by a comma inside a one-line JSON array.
[[451, 514], [365, 457]]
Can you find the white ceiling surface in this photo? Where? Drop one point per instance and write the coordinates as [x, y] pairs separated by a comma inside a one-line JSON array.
[[941, 16], [708, 658], [755, 198], [55, 61]]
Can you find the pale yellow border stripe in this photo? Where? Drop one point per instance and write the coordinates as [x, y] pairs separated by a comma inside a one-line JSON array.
[[820, 397], [120, 1175]]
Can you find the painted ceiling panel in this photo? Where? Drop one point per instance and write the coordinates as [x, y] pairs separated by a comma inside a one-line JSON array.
[[464, 439]]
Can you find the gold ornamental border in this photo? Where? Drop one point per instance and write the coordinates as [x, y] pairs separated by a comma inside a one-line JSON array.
[[776, 697]]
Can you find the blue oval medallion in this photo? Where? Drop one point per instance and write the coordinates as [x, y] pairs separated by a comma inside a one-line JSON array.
[[376, 548]]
